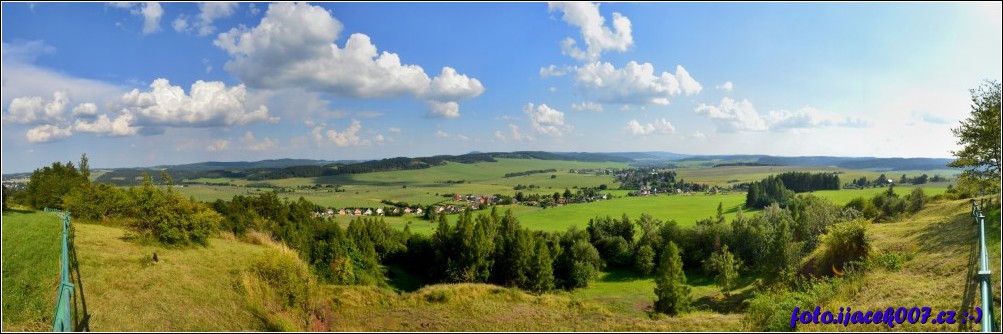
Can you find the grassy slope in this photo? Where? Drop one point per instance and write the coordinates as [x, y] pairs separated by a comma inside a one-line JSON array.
[[189, 289], [942, 239], [481, 307], [31, 251]]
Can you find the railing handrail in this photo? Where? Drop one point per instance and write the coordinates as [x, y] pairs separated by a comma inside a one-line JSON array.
[[984, 270], [61, 321]]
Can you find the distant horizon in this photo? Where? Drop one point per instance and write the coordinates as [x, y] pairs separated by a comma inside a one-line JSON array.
[[149, 84], [98, 167]]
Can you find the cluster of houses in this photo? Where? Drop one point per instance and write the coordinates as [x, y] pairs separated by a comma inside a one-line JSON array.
[[382, 211], [650, 191], [476, 201]]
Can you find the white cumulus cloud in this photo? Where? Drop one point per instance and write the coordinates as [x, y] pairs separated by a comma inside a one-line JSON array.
[[634, 83], [207, 104], [452, 86], [294, 45], [37, 110], [251, 143], [732, 116], [218, 145], [210, 11], [514, 134], [151, 12], [727, 86], [344, 138], [554, 71], [587, 106], [659, 126], [85, 110], [597, 36], [443, 109], [105, 126], [546, 120], [47, 133]]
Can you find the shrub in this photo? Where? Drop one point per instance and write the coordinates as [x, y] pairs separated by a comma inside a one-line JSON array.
[[279, 288], [844, 243]]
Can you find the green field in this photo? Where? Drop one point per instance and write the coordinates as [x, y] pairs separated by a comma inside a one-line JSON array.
[[427, 186], [422, 186], [31, 251], [723, 176], [685, 209]]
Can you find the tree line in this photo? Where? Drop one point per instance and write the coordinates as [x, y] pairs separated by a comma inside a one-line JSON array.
[[780, 188], [530, 172]]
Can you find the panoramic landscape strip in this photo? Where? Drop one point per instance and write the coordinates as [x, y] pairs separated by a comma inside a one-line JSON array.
[[432, 167]]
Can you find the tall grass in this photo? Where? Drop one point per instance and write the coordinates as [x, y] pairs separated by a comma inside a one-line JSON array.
[[31, 252]]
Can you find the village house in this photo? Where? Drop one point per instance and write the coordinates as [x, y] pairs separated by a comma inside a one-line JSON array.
[[369, 212], [417, 212], [358, 212], [379, 211]]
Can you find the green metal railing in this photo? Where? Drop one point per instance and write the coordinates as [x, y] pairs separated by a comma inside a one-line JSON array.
[[984, 274], [62, 321]]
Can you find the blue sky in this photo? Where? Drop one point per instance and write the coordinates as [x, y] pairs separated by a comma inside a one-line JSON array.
[[142, 84]]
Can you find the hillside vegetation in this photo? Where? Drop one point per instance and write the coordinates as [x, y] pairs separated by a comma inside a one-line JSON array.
[[30, 270], [926, 259]]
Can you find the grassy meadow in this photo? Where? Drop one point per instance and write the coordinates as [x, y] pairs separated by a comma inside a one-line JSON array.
[[31, 251], [199, 288]]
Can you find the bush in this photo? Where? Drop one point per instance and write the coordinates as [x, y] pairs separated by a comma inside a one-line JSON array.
[[770, 310], [917, 199], [174, 220], [844, 243], [279, 288]]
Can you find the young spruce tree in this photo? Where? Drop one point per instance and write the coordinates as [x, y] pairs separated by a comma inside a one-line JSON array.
[[671, 289]]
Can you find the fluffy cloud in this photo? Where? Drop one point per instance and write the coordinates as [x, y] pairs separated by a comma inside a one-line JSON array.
[[253, 144], [731, 116], [105, 126], [514, 134], [587, 106], [180, 24], [546, 120], [698, 135], [208, 12], [727, 86], [634, 83], [293, 46], [394, 130], [347, 137], [211, 11], [441, 134], [452, 86], [443, 109], [151, 17], [37, 110], [659, 126], [218, 145], [46, 133], [85, 110], [597, 36], [207, 104], [554, 71], [151, 12]]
